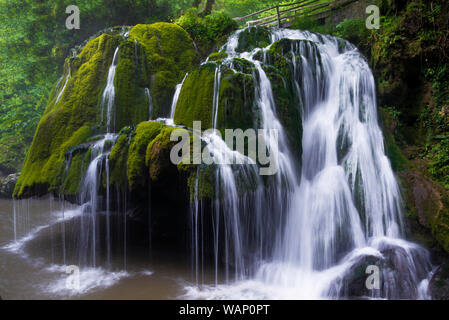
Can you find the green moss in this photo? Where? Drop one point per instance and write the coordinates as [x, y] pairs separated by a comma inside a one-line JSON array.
[[397, 159], [218, 56], [281, 76], [131, 79], [196, 97], [201, 183], [236, 97], [117, 161], [243, 65], [78, 167], [428, 207], [236, 107], [170, 55], [136, 166], [157, 156], [67, 123]]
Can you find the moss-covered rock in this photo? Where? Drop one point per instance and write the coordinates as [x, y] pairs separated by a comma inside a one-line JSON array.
[[428, 205], [118, 158], [236, 107], [170, 54], [154, 56], [218, 56], [398, 161], [253, 37], [146, 132], [196, 97], [157, 156], [131, 79], [77, 168], [67, 123], [280, 71]]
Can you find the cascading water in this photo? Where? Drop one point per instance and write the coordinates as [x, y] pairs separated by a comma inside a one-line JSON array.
[[150, 103], [63, 87], [343, 213], [176, 97], [109, 95], [92, 180]]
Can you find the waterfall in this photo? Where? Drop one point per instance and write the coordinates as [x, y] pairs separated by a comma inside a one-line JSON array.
[[339, 211], [150, 103], [63, 87], [176, 97], [109, 95], [217, 82], [89, 231], [15, 219], [311, 230]]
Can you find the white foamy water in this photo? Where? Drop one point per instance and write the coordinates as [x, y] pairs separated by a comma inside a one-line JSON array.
[[90, 279]]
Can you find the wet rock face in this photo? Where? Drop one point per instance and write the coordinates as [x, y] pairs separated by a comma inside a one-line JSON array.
[[7, 185], [429, 205], [439, 284], [397, 279]]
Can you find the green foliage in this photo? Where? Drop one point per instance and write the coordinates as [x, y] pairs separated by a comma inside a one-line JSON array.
[[208, 32], [435, 120], [307, 23], [353, 30], [391, 120]]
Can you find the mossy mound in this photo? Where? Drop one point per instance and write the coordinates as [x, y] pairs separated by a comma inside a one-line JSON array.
[[118, 158], [146, 132], [196, 97], [131, 79], [170, 54], [142, 155], [157, 157], [68, 122], [253, 37], [154, 56], [236, 107]]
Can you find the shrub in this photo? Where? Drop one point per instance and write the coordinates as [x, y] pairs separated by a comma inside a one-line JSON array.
[[208, 32]]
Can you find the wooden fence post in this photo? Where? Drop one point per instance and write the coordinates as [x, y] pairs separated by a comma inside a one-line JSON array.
[[279, 16]]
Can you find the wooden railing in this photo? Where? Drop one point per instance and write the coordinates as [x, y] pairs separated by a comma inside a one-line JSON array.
[[313, 9]]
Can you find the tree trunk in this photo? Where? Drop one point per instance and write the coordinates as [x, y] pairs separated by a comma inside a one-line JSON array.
[[209, 5], [196, 3]]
